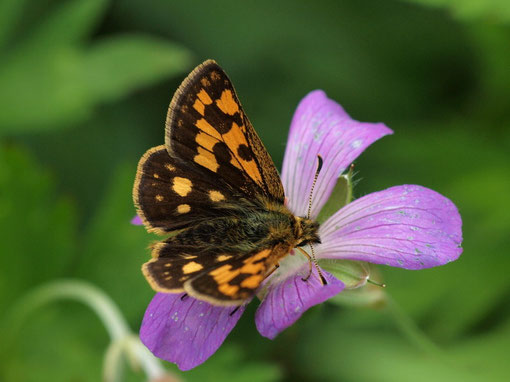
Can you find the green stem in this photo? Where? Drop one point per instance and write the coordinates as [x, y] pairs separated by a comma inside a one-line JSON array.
[[409, 328], [100, 303]]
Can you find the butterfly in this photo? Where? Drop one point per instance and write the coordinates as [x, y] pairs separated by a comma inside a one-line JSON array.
[[215, 191]]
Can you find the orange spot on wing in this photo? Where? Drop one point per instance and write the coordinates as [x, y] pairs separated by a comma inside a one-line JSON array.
[[252, 282], [199, 106], [206, 141], [226, 103], [204, 97], [181, 186], [224, 274], [216, 196], [223, 257], [192, 267], [261, 255], [203, 125], [206, 159], [228, 289], [205, 82], [252, 268], [183, 208], [235, 138], [253, 265]]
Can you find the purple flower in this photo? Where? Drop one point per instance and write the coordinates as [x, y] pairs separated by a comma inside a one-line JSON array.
[[406, 226]]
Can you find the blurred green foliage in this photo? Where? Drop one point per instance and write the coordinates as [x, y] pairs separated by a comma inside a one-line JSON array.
[[84, 87]]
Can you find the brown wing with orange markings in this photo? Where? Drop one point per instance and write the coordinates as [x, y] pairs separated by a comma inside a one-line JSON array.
[[206, 126], [220, 279], [169, 195]]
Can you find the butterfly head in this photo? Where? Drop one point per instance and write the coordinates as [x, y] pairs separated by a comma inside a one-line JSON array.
[[307, 231]]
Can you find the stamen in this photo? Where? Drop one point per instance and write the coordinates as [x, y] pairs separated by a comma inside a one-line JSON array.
[[376, 283], [319, 167]]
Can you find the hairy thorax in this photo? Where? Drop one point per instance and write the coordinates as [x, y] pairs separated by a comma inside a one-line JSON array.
[[250, 229]]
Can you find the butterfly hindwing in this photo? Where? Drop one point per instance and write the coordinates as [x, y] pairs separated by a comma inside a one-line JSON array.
[[220, 278], [170, 195], [233, 282], [171, 267], [207, 126]]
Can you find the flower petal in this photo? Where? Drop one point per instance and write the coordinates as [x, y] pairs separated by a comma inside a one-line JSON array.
[[136, 220], [288, 299], [406, 226], [321, 126], [186, 332]]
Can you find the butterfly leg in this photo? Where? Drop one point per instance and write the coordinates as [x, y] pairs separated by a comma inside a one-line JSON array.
[[312, 261], [235, 310], [276, 266]]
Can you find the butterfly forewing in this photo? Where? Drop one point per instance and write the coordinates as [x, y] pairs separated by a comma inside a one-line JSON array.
[[171, 195], [206, 125]]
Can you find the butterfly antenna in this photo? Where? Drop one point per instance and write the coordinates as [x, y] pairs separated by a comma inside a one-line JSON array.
[[312, 259], [319, 167], [313, 262]]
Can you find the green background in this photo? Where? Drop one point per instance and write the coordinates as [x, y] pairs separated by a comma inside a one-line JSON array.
[[84, 88]]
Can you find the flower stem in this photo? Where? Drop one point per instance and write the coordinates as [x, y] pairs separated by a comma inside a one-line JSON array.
[[121, 336], [409, 328]]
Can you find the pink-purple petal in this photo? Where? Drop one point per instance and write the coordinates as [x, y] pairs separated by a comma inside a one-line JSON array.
[[136, 220], [321, 126], [407, 226], [186, 331], [287, 300]]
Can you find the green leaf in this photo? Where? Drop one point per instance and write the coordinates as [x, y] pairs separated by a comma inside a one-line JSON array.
[[38, 228], [118, 65], [70, 23], [67, 84], [35, 97], [10, 14], [493, 10], [52, 80]]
